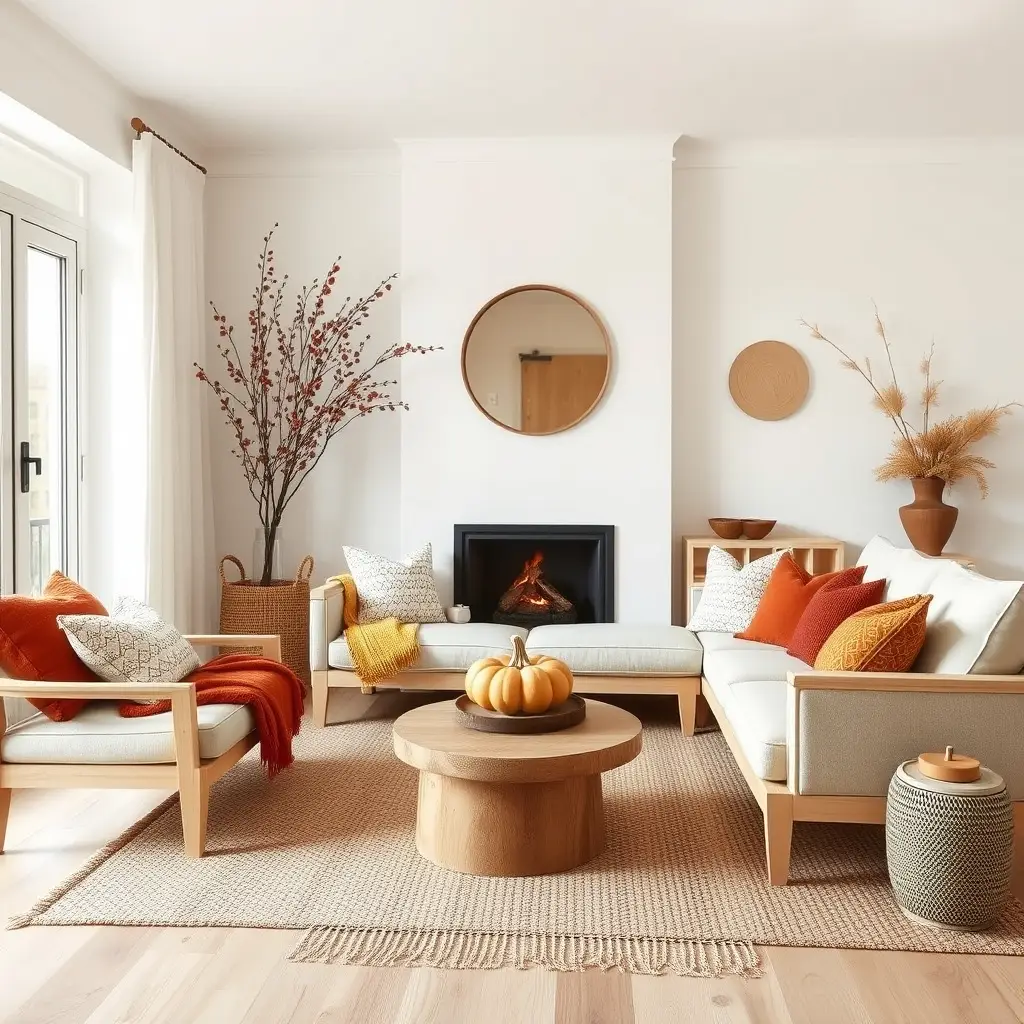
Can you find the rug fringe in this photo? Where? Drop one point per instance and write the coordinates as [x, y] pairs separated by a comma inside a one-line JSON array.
[[101, 855], [697, 958]]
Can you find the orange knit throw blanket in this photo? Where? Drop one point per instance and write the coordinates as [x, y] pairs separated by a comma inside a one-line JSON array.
[[271, 689]]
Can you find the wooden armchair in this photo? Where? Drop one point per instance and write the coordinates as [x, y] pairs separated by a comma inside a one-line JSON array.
[[99, 749]]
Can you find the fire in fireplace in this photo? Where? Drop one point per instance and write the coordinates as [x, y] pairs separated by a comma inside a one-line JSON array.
[[531, 600]]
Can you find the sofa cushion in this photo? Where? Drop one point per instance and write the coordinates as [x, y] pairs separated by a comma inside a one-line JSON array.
[[711, 641], [99, 735], [756, 661], [756, 710], [975, 624], [444, 646], [907, 572], [619, 649]]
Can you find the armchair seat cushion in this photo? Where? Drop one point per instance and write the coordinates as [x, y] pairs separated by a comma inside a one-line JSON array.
[[99, 735], [444, 646]]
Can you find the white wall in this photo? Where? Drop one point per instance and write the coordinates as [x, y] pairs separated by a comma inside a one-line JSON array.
[[326, 207], [590, 216], [765, 235]]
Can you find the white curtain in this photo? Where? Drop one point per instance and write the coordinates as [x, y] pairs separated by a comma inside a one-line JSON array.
[[179, 555]]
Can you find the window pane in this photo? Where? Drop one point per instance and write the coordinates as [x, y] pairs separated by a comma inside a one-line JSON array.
[[45, 333]]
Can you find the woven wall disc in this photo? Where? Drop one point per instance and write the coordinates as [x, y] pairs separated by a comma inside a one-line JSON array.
[[769, 380]]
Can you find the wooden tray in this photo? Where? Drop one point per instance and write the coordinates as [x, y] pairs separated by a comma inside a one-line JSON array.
[[562, 716]]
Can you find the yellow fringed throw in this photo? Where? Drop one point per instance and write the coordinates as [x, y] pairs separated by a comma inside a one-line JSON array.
[[380, 650]]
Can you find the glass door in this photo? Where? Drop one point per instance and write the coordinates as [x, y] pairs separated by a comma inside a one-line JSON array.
[[40, 388]]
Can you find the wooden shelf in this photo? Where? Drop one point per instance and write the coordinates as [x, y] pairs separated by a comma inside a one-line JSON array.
[[816, 554]]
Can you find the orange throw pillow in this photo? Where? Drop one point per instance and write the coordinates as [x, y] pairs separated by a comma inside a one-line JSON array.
[[33, 647], [882, 638], [789, 591], [830, 606]]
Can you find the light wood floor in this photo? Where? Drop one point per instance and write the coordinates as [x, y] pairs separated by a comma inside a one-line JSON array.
[[230, 976]]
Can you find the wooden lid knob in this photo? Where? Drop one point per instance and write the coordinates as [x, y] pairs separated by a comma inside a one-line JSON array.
[[950, 766]]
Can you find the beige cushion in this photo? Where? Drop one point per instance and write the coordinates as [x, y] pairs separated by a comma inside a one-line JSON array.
[[975, 624], [736, 665], [756, 710], [99, 735], [749, 679], [729, 641], [444, 646], [619, 649]]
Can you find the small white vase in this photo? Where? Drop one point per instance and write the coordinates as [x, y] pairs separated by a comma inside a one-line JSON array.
[[457, 613], [259, 550]]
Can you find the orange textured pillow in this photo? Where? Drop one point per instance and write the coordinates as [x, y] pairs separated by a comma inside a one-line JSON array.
[[33, 646], [789, 591], [882, 638], [830, 606]]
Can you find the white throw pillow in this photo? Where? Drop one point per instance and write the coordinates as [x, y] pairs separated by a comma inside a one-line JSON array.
[[907, 572], [731, 592], [975, 624], [131, 645], [401, 590]]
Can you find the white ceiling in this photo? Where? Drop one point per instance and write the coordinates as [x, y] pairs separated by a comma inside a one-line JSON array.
[[333, 74]]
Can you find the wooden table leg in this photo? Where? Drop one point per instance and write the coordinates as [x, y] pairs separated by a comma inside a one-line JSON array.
[[509, 829]]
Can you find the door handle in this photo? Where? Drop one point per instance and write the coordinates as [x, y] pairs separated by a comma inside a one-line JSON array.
[[26, 462]]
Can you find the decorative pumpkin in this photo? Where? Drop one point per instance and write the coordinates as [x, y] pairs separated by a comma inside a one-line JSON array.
[[518, 683]]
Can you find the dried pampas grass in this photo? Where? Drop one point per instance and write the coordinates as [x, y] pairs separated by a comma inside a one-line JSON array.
[[939, 449]]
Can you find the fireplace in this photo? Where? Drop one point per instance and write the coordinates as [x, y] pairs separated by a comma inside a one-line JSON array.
[[528, 575]]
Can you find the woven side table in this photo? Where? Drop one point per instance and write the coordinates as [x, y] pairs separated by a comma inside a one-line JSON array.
[[949, 844]]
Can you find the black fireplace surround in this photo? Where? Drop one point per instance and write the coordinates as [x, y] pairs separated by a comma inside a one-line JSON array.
[[578, 560]]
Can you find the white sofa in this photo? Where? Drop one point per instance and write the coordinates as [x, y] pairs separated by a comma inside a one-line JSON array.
[[822, 746], [606, 657]]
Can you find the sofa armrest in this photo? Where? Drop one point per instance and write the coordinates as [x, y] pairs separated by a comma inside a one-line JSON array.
[[846, 732], [325, 622], [96, 690], [270, 643]]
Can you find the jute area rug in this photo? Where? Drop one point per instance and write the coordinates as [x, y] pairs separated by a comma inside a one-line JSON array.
[[328, 847]]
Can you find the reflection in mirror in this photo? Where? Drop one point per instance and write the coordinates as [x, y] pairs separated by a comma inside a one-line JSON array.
[[536, 359]]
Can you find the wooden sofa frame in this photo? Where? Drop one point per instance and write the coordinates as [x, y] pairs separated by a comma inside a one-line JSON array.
[[191, 776], [685, 688], [783, 803]]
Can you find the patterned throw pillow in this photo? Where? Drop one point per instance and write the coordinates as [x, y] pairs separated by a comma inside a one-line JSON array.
[[400, 590], [884, 638], [132, 645], [833, 604], [731, 592]]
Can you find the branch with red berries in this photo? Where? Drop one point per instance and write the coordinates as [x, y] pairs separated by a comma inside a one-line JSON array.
[[296, 382]]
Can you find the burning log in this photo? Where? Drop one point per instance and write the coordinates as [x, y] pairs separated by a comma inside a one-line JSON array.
[[531, 593]]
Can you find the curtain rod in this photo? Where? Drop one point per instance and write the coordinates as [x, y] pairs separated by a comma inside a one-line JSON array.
[[140, 126]]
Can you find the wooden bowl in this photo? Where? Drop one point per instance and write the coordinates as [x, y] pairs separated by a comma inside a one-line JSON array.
[[758, 529], [728, 529]]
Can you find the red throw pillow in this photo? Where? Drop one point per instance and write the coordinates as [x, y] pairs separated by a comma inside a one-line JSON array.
[[33, 647], [789, 591], [830, 606]]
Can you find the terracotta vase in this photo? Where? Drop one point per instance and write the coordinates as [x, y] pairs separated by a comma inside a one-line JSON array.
[[928, 520]]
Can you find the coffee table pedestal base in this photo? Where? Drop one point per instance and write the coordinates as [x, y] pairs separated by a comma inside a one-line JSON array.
[[504, 829]]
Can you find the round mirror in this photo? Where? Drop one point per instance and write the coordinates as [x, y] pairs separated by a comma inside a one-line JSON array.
[[536, 359]]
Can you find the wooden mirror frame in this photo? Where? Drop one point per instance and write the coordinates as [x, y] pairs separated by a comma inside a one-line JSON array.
[[606, 338]]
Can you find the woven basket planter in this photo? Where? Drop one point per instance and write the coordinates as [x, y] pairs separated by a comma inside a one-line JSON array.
[[280, 608]]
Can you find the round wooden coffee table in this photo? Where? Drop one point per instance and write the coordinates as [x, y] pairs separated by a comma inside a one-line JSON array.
[[504, 805]]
